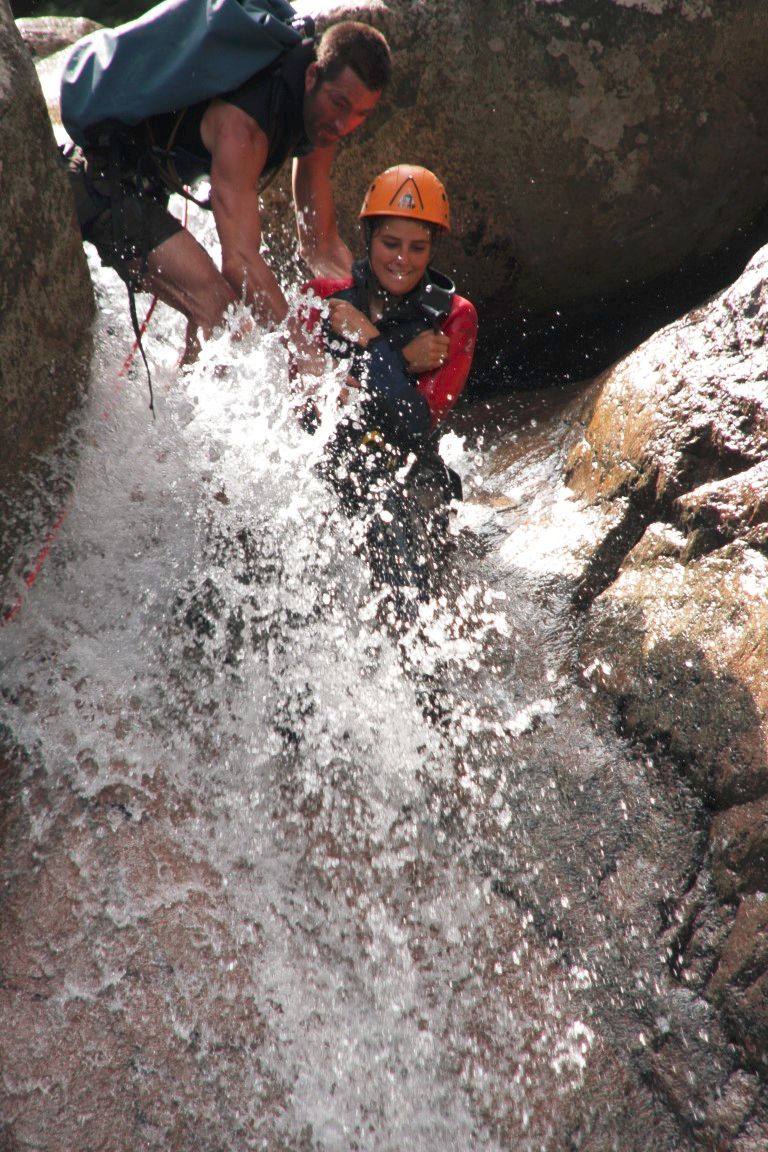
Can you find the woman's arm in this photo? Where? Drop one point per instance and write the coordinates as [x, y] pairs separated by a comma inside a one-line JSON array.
[[442, 387], [403, 412], [377, 367]]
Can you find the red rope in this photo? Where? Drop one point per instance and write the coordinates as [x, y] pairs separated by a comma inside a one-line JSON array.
[[34, 570], [32, 573], [129, 359]]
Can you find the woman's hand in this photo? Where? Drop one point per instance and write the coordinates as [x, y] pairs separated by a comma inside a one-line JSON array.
[[346, 391], [307, 357], [428, 351], [350, 322]]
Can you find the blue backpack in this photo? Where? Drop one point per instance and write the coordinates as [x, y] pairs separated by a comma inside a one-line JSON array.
[[179, 53]]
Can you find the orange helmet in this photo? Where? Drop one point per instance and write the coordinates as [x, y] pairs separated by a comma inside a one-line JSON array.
[[410, 191]]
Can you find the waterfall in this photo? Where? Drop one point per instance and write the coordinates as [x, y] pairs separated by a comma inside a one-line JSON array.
[[283, 870]]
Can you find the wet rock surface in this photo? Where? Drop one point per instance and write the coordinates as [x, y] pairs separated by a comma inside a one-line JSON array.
[[261, 900], [46, 300], [689, 673], [676, 441], [735, 508]]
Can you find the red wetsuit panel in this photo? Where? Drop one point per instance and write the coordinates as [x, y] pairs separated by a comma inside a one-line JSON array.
[[441, 388]]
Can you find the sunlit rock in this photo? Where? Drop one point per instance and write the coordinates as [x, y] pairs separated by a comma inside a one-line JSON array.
[[679, 428], [726, 509], [679, 431], [46, 303], [676, 642], [45, 35], [682, 649], [679, 646], [687, 408]]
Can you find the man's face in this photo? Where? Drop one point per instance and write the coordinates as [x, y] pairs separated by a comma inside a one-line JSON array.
[[334, 108]]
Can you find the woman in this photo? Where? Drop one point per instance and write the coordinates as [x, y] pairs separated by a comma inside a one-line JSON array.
[[409, 336], [409, 340]]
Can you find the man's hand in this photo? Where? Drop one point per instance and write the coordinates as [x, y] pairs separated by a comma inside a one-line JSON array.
[[427, 352], [307, 356]]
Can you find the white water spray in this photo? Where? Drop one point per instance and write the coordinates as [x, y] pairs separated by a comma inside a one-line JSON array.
[[234, 786]]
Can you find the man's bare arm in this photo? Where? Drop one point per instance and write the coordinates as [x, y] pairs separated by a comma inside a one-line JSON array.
[[319, 242], [238, 150]]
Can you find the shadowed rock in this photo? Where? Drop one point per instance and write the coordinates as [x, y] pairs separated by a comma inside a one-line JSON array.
[[585, 152], [740, 849], [46, 300], [740, 984]]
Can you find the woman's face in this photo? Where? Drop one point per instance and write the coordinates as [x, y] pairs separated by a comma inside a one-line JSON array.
[[399, 254]]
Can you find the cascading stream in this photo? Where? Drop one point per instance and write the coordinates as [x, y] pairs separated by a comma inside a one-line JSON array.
[[276, 878]]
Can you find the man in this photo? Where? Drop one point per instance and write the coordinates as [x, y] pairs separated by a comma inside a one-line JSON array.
[[301, 107]]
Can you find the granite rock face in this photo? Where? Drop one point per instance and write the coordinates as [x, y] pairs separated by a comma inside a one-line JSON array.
[[586, 148], [45, 35], [675, 443], [46, 299]]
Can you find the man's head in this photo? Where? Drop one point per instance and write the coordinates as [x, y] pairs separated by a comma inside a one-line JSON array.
[[345, 81], [356, 46]]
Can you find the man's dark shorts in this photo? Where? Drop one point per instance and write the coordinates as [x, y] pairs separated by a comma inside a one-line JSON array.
[[124, 218]]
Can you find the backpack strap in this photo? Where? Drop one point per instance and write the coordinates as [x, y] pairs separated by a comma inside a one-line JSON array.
[[166, 164]]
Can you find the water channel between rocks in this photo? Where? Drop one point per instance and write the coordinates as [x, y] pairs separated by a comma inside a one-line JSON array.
[[274, 883]]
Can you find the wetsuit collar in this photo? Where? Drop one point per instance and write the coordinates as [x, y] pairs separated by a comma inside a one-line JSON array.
[[432, 295]]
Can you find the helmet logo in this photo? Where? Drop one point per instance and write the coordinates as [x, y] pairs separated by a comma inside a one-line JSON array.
[[408, 196]]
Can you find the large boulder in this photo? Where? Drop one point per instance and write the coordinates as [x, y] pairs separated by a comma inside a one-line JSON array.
[[587, 158], [685, 411], [674, 447], [46, 299], [586, 148]]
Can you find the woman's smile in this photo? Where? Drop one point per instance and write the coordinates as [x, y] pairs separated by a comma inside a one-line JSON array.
[[400, 253]]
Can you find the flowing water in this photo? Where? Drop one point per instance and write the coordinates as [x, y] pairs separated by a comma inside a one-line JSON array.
[[279, 876]]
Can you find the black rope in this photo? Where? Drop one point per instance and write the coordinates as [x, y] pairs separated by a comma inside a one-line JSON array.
[[117, 198], [140, 345]]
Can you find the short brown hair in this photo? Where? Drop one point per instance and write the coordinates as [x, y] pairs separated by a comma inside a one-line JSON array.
[[357, 46]]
